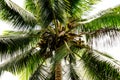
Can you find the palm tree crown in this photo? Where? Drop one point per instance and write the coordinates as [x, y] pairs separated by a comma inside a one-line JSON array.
[[57, 46]]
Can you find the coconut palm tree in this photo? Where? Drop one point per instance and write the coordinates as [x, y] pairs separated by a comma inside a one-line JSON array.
[[49, 44]]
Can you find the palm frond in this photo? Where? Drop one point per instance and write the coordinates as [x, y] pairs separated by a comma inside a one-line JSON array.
[[31, 6], [51, 75], [55, 9], [36, 66], [39, 74], [108, 19], [112, 33], [108, 37], [107, 57], [51, 10], [73, 74], [13, 33], [103, 54], [78, 50], [12, 43], [78, 7], [19, 17], [100, 69], [103, 31], [62, 52], [30, 59], [34, 33], [105, 21], [45, 71]]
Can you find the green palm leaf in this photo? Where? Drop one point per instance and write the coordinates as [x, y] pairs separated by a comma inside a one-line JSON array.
[[35, 66], [31, 6], [105, 21], [73, 74], [55, 9], [62, 52], [51, 10], [100, 69], [19, 17], [108, 19], [40, 73], [78, 7], [12, 43], [13, 33], [98, 65], [29, 59]]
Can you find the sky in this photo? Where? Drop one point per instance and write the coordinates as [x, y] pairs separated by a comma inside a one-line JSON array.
[[8, 76], [104, 4]]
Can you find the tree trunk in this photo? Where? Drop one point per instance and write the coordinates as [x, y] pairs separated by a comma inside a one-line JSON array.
[[58, 71]]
